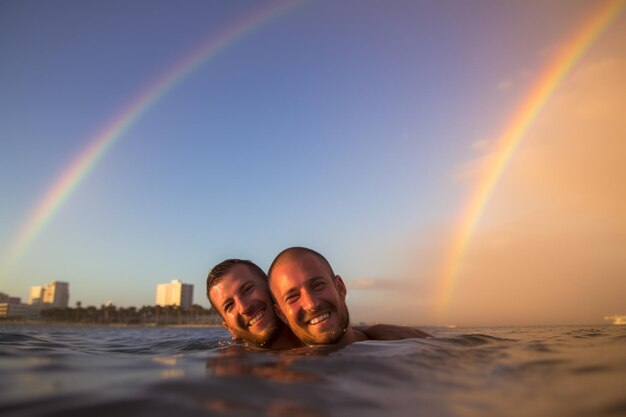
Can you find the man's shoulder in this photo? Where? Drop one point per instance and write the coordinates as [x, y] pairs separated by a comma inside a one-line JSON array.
[[390, 332]]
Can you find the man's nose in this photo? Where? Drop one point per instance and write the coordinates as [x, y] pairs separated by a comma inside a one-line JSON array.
[[309, 301], [244, 305]]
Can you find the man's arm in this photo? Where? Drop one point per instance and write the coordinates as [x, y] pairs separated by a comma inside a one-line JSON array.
[[391, 332]]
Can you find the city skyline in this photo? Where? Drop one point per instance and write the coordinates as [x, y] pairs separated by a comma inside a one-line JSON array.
[[458, 159], [46, 295], [55, 294]]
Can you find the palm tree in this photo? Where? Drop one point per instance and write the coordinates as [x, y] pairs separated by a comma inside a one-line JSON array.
[[77, 316]]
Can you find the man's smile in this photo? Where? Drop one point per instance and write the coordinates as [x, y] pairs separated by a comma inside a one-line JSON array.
[[319, 319], [257, 317]]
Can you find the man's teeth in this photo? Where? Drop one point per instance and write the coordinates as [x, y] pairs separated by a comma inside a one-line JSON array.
[[256, 318], [320, 318]]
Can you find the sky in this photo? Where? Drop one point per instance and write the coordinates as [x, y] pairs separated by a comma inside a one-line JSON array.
[[361, 129]]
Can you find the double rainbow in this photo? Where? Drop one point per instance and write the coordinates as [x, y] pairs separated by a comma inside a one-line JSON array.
[[516, 129]]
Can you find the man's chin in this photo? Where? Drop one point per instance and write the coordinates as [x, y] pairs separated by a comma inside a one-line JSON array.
[[264, 339], [324, 334], [323, 338]]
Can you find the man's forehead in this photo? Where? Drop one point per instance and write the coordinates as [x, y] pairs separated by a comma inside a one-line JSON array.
[[236, 277], [242, 271], [306, 264], [295, 273]]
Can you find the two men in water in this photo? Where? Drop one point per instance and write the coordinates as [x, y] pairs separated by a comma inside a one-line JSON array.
[[300, 301]]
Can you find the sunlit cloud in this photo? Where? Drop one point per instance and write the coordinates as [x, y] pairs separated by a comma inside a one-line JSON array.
[[405, 296], [361, 284], [618, 320], [376, 284]]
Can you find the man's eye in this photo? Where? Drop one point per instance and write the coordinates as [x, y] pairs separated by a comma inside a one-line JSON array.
[[247, 289], [318, 285], [291, 299], [228, 307]]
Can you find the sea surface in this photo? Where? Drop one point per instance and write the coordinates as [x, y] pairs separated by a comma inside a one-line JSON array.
[[503, 371]]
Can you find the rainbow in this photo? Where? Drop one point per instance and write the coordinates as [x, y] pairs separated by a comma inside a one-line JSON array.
[[515, 131], [97, 146]]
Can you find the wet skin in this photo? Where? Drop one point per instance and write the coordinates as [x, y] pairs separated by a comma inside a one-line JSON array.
[[311, 300], [242, 298], [241, 295]]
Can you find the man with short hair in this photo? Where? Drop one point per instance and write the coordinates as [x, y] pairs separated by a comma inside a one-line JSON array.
[[311, 299], [238, 291]]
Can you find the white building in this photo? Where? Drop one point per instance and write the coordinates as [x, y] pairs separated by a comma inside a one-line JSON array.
[[36, 295], [175, 294], [55, 294], [18, 310]]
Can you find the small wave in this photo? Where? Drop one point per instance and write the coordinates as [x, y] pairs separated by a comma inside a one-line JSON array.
[[30, 343], [108, 342], [540, 364], [619, 338], [540, 347], [474, 340], [590, 369], [587, 333], [188, 345], [170, 346], [13, 338], [84, 405]]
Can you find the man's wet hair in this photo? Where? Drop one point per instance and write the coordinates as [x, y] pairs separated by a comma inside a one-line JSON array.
[[217, 273], [297, 251]]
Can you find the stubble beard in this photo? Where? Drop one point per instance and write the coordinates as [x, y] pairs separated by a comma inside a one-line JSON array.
[[262, 340], [328, 338], [266, 339]]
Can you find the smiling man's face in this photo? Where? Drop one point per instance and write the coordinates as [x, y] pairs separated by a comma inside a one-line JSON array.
[[310, 298], [243, 300]]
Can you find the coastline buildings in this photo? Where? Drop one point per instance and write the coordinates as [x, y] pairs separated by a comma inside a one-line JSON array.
[[12, 307], [174, 294], [6, 298], [55, 294]]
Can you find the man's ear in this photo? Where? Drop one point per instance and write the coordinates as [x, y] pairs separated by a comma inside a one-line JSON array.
[[280, 314], [229, 329], [341, 286]]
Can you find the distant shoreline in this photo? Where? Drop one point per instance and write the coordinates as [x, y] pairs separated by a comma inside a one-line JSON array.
[[37, 323]]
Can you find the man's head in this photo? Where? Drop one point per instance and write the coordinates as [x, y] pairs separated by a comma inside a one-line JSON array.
[[310, 298], [238, 290]]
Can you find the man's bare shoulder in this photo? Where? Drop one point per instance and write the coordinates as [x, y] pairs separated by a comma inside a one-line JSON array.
[[391, 332]]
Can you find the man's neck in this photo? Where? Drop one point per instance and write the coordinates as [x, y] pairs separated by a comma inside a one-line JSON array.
[[285, 340], [350, 336]]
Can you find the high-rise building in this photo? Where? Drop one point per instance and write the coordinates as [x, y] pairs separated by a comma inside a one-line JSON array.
[[55, 294], [36, 295], [174, 294]]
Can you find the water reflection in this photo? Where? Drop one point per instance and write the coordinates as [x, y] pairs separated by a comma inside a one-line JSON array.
[[274, 366]]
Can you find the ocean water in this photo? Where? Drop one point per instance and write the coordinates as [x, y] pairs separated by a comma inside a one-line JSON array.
[[515, 371]]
